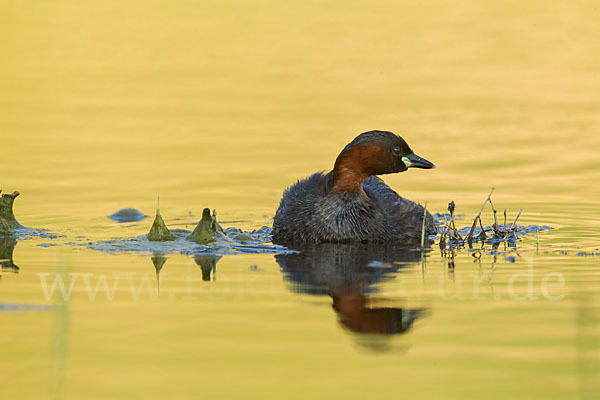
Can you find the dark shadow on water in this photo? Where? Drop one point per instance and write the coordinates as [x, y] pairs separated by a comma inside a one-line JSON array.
[[348, 273]]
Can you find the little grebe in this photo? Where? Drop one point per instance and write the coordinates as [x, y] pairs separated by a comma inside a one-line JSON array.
[[350, 203]]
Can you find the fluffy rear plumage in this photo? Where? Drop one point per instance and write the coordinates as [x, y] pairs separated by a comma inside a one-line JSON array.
[[310, 213]]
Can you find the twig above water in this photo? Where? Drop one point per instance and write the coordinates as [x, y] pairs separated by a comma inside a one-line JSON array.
[[514, 224], [470, 235]]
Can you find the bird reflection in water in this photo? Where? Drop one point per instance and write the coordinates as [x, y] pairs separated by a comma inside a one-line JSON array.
[[348, 273]]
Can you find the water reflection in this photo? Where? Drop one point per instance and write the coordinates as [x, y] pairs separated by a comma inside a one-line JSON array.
[[348, 274], [208, 265], [7, 247], [159, 260]]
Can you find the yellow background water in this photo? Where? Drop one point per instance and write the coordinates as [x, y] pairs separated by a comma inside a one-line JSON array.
[[107, 104]]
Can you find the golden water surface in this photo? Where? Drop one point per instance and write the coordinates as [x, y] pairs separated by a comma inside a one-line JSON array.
[[222, 104]]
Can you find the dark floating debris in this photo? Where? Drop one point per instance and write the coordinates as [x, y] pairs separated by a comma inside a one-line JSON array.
[[452, 238], [127, 215]]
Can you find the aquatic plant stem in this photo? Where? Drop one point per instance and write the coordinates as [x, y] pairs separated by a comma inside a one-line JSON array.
[[443, 235], [423, 226], [514, 224], [495, 226], [451, 208], [482, 236], [470, 236]]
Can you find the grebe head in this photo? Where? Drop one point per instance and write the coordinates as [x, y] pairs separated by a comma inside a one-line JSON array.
[[373, 153]]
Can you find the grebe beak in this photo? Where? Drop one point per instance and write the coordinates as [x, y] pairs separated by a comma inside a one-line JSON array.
[[414, 161]]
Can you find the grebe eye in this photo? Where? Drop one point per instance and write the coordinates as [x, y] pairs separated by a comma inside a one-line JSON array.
[[397, 151]]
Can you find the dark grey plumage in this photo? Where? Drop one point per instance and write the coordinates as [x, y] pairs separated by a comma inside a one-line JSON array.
[[350, 204], [310, 213]]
